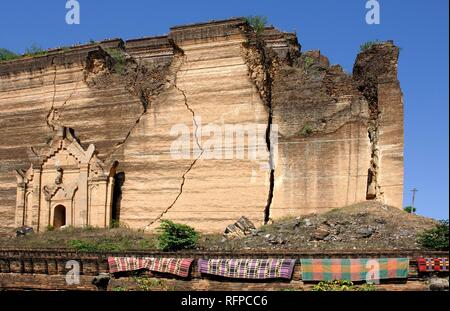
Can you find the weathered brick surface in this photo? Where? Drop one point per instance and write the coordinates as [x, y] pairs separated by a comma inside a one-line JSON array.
[[16, 281], [47, 272], [324, 116]]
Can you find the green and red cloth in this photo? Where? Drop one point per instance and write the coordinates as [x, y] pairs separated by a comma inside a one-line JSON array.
[[176, 266], [329, 269]]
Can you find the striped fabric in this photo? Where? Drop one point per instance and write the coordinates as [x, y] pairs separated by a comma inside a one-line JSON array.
[[432, 264], [354, 269], [176, 266], [248, 268]]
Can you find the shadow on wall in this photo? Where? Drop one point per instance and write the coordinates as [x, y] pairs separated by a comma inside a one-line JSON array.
[[119, 180]]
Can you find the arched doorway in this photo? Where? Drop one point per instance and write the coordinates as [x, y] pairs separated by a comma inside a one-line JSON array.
[[59, 216]]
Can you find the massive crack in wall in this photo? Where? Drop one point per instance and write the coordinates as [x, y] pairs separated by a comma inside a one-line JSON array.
[[202, 79], [215, 85]]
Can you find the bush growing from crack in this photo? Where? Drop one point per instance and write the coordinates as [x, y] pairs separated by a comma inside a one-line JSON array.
[[120, 59], [435, 238], [258, 23], [306, 130], [175, 236], [309, 62]]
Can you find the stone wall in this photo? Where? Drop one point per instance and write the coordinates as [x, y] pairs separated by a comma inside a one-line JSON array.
[[204, 78], [47, 269]]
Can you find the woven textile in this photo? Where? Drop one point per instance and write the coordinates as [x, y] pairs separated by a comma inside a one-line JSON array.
[[432, 264], [248, 268], [354, 269], [177, 266]]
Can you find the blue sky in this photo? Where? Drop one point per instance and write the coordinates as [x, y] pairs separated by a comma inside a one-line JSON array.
[[337, 28]]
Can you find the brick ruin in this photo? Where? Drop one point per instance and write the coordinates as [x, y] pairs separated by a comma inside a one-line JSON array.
[[339, 136]]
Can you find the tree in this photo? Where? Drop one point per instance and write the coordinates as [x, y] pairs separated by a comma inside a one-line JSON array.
[[435, 238], [409, 209], [7, 54]]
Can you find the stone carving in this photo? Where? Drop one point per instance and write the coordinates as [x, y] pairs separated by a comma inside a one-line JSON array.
[[59, 172], [69, 177]]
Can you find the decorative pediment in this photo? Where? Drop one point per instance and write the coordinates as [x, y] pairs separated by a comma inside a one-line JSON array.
[[65, 143], [65, 150]]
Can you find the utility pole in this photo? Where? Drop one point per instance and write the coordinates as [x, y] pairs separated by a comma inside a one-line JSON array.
[[413, 197]]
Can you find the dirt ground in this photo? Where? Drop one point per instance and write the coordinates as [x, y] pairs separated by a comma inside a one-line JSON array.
[[364, 226]]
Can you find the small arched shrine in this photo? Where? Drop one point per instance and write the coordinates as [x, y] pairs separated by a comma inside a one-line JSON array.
[[69, 186]]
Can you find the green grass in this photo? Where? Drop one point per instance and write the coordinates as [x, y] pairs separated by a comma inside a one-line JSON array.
[[342, 285], [88, 239], [369, 44], [35, 50]]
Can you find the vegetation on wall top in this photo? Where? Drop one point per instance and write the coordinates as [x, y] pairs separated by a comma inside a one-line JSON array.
[[258, 23]]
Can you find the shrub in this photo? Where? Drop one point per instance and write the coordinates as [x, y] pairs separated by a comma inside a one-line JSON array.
[[7, 55], [409, 209], [175, 236], [120, 60], [306, 130], [435, 238], [309, 61], [342, 285], [368, 45], [149, 284], [258, 23]]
